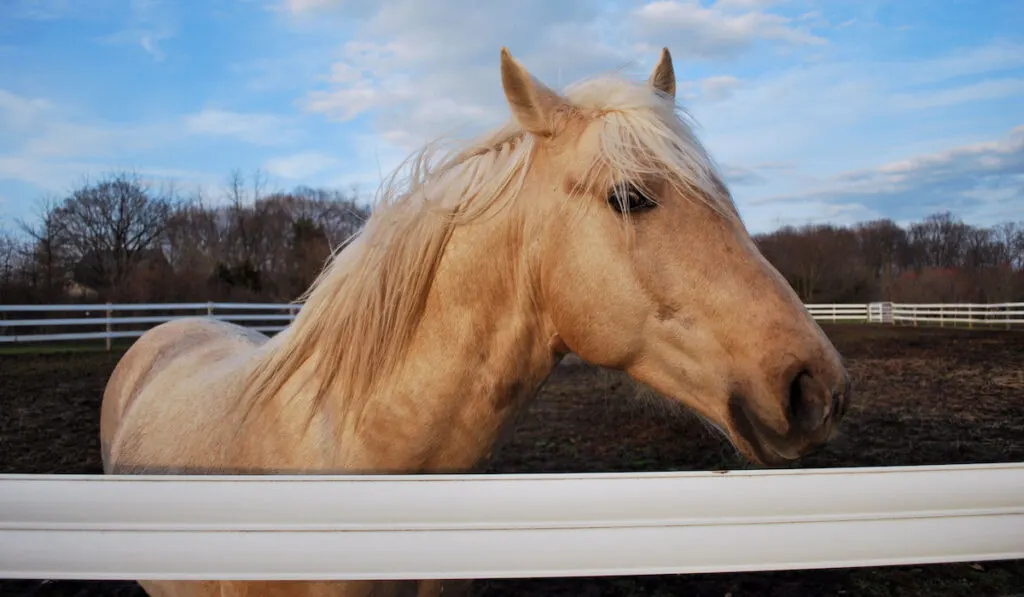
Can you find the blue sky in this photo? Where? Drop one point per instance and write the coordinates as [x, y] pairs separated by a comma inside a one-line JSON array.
[[817, 110]]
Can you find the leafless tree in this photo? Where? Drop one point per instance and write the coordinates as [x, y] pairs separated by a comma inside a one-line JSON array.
[[111, 226], [47, 258], [939, 241]]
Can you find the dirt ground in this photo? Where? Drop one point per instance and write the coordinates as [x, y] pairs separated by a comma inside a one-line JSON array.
[[922, 396]]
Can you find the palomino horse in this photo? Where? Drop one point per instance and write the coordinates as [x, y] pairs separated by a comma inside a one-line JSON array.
[[593, 222]]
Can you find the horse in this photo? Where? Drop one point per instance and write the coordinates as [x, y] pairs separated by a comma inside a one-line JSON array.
[[593, 222]]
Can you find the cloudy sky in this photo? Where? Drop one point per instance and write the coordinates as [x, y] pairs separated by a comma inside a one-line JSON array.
[[817, 110]]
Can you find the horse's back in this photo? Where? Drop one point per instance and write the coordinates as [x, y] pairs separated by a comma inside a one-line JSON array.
[[170, 356]]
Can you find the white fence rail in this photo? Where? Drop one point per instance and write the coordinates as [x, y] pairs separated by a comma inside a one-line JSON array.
[[963, 314], [839, 312], [494, 526], [264, 317], [45, 323]]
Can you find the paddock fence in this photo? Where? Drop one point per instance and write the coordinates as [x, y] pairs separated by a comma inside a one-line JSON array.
[[108, 322], [111, 321], [324, 527], [504, 526]]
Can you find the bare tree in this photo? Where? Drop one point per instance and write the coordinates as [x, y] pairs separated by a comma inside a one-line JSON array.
[[111, 226], [192, 244], [939, 241], [884, 251], [1009, 237], [13, 267], [47, 258]]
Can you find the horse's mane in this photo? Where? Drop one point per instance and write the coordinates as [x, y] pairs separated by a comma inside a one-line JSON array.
[[362, 310]]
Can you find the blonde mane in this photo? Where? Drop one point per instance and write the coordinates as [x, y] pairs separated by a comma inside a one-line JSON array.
[[362, 311]]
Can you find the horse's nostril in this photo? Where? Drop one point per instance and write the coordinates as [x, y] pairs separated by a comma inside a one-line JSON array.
[[806, 401]]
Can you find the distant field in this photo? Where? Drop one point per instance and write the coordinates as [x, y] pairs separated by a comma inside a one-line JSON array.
[[922, 396]]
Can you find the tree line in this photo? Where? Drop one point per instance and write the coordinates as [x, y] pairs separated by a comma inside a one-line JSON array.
[[939, 259], [126, 239]]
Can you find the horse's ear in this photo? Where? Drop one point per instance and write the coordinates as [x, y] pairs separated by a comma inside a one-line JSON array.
[[533, 104], [663, 77]]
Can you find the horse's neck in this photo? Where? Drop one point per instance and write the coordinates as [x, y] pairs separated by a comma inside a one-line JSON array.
[[480, 351]]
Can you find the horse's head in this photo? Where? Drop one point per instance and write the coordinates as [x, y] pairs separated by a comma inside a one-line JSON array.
[[643, 265]]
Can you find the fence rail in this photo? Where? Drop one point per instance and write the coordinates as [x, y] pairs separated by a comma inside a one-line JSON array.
[[839, 312], [45, 323], [969, 314], [263, 317], [494, 526]]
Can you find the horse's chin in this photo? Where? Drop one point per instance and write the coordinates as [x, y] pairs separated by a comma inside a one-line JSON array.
[[750, 445], [747, 435], [760, 453]]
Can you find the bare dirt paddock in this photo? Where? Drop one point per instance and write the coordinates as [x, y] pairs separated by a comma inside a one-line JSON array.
[[923, 396]]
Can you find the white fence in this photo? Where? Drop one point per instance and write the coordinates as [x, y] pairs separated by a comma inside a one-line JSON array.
[[966, 314], [44, 323], [917, 314], [839, 312], [265, 317], [494, 526]]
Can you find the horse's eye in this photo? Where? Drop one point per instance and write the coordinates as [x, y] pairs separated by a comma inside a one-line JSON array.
[[629, 198]]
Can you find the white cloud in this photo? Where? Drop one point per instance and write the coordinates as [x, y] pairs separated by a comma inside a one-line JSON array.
[[300, 6], [762, 218], [63, 139], [255, 128], [149, 24], [746, 4], [417, 69], [738, 175], [43, 146], [828, 116], [992, 156], [984, 181], [719, 87], [983, 90], [48, 176], [304, 7], [301, 165], [55, 178], [992, 57], [717, 31], [42, 10], [39, 128], [21, 112]]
